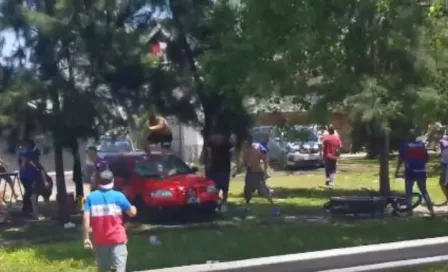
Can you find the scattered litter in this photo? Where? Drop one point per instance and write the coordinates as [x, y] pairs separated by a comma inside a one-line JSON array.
[[211, 261], [69, 225], [154, 240]]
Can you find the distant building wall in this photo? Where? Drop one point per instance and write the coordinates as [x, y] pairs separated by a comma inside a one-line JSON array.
[[187, 140]]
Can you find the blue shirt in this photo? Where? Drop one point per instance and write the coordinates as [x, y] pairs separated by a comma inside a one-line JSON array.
[[27, 172], [415, 157], [34, 154], [260, 148], [30, 153]]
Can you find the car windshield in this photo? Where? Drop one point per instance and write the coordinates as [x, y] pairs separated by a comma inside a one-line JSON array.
[[300, 134], [156, 166], [115, 145]]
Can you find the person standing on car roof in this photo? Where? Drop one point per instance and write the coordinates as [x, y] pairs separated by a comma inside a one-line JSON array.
[[158, 132], [331, 150]]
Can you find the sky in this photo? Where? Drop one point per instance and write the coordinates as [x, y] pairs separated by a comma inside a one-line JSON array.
[[10, 42]]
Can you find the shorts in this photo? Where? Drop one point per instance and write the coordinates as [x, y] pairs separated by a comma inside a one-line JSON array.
[[221, 179], [163, 140], [255, 181], [113, 257], [330, 167]]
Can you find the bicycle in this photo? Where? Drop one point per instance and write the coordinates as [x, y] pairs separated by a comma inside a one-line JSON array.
[[374, 203], [399, 201]]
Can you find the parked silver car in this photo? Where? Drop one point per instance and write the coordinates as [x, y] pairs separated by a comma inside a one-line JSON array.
[[291, 147]]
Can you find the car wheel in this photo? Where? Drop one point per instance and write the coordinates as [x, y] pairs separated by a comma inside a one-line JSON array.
[[209, 212]]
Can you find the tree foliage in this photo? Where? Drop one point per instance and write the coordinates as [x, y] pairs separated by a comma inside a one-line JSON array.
[[80, 63]]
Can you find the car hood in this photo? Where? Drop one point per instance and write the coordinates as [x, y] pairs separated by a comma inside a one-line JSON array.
[[187, 181], [296, 145]]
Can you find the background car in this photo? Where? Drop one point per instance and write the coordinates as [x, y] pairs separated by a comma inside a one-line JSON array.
[[292, 146], [156, 184], [276, 148], [303, 147], [121, 143]]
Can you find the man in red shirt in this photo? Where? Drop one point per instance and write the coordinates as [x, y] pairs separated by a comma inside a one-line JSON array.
[[331, 145]]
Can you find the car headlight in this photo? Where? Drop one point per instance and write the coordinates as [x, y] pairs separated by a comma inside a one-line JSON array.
[[211, 189], [161, 193]]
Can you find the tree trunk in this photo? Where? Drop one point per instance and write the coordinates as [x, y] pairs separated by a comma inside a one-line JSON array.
[[384, 164], [61, 188], [13, 140], [77, 169]]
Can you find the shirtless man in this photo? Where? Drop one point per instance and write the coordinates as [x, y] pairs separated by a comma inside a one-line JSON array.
[[256, 174], [159, 132]]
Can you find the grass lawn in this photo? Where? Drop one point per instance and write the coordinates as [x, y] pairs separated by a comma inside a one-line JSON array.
[[247, 238], [436, 268]]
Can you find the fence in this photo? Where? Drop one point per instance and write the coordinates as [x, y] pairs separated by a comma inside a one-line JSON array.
[[381, 257]]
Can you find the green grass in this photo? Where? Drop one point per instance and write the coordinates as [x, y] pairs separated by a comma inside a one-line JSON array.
[[296, 193], [435, 268], [181, 247], [248, 238]]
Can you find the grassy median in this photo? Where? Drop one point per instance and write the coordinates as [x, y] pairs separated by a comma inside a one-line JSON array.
[[233, 237]]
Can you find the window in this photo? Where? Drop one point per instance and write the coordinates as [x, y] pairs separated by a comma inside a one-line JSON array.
[[156, 166], [120, 169], [301, 134], [118, 145]]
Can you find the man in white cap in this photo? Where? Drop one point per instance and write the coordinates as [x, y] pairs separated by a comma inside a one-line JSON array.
[[103, 210]]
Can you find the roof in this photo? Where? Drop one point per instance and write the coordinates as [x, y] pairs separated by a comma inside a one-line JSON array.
[[158, 28]]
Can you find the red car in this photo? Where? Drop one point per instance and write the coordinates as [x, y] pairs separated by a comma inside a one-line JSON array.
[[154, 184]]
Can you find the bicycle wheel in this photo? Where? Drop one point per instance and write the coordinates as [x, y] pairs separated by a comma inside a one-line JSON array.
[[335, 207], [399, 202]]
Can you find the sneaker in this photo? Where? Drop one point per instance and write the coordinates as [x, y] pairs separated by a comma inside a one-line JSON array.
[[276, 211], [327, 182], [224, 208]]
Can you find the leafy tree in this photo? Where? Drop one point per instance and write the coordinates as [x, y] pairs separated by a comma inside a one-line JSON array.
[[368, 57]]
